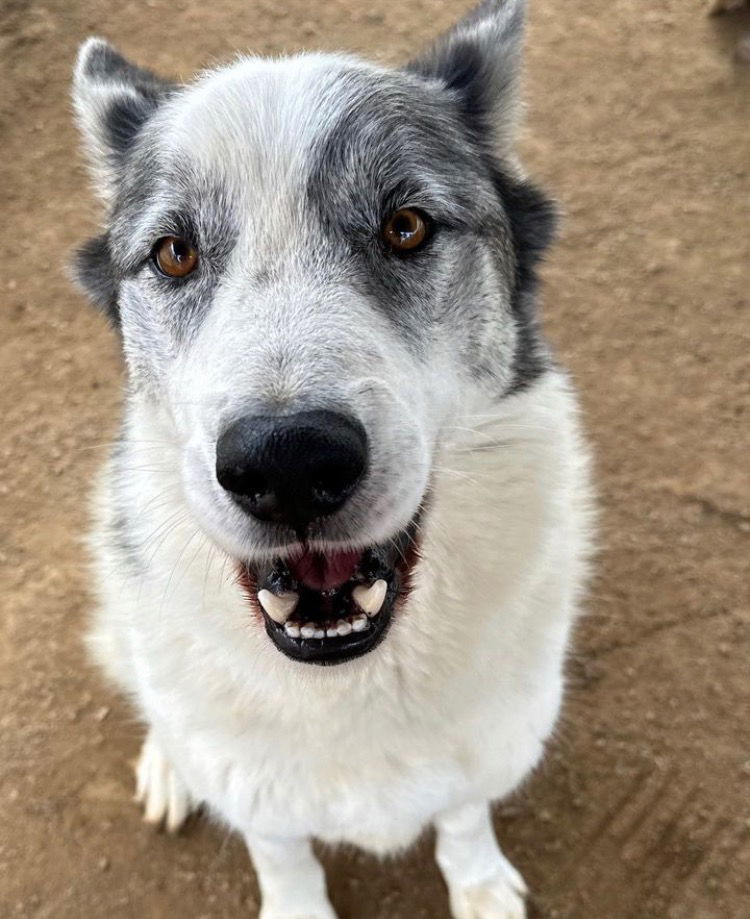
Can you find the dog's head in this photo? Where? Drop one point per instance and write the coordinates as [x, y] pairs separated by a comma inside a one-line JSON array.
[[316, 266]]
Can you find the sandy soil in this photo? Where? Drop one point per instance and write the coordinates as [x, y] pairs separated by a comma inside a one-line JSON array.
[[639, 122]]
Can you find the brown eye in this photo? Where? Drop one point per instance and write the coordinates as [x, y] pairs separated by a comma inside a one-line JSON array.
[[175, 257], [405, 230]]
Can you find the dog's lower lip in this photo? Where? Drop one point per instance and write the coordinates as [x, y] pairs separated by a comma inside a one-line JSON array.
[[326, 608], [331, 641]]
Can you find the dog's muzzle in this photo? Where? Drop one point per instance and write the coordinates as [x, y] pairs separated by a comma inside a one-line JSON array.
[[320, 607]]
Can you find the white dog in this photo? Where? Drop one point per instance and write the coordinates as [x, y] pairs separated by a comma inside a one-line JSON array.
[[344, 444]]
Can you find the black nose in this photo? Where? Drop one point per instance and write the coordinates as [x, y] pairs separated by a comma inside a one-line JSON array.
[[291, 469]]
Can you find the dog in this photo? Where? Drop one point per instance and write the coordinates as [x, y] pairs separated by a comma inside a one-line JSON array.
[[344, 532]]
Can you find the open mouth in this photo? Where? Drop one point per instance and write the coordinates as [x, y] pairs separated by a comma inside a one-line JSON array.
[[330, 607]]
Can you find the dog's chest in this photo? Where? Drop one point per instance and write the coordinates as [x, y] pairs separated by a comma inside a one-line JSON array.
[[365, 767], [338, 775]]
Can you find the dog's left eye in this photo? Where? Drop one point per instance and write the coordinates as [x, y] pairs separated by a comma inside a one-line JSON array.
[[175, 257], [406, 230]]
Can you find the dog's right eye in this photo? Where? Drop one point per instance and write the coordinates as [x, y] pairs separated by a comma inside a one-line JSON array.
[[175, 257], [406, 230]]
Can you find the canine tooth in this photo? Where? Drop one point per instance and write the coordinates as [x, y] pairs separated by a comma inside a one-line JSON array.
[[359, 622], [370, 599], [343, 627], [332, 630], [292, 629], [308, 630], [278, 606]]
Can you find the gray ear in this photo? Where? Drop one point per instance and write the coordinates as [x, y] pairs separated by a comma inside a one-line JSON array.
[[479, 60], [113, 99]]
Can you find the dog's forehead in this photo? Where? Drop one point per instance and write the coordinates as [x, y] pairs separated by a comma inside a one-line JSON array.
[[267, 114]]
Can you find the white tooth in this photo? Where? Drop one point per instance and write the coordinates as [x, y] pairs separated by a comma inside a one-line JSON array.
[[278, 606], [359, 623], [370, 599], [292, 629], [332, 630], [308, 630], [319, 633], [343, 627]]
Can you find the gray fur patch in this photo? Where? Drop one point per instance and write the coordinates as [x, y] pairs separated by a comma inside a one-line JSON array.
[[402, 141]]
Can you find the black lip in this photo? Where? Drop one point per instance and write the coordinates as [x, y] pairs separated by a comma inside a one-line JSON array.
[[326, 651]]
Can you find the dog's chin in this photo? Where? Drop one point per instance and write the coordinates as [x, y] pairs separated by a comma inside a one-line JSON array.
[[327, 606]]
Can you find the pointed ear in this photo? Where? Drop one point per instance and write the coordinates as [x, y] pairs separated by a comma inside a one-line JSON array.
[[113, 99], [479, 60]]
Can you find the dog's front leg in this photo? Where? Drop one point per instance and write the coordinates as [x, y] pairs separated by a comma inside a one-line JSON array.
[[290, 878], [481, 881]]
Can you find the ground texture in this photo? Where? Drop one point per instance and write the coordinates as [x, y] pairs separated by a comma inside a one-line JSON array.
[[639, 122]]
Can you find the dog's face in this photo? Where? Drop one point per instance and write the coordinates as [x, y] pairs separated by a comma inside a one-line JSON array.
[[316, 267]]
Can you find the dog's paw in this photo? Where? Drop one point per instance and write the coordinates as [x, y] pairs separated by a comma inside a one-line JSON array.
[[162, 793], [501, 896]]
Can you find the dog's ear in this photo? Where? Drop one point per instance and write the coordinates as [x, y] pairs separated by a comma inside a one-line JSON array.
[[113, 99], [479, 61]]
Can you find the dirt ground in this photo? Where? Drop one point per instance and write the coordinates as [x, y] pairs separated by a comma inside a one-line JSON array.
[[639, 122]]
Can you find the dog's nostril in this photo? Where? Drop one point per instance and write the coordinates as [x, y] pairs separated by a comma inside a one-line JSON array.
[[265, 507], [292, 469], [242, 481], [333, 482]]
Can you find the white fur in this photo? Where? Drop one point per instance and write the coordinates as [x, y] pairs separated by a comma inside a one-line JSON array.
[[452, 709]]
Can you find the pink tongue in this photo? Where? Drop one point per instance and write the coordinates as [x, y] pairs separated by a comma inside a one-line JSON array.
[[323, 572]]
